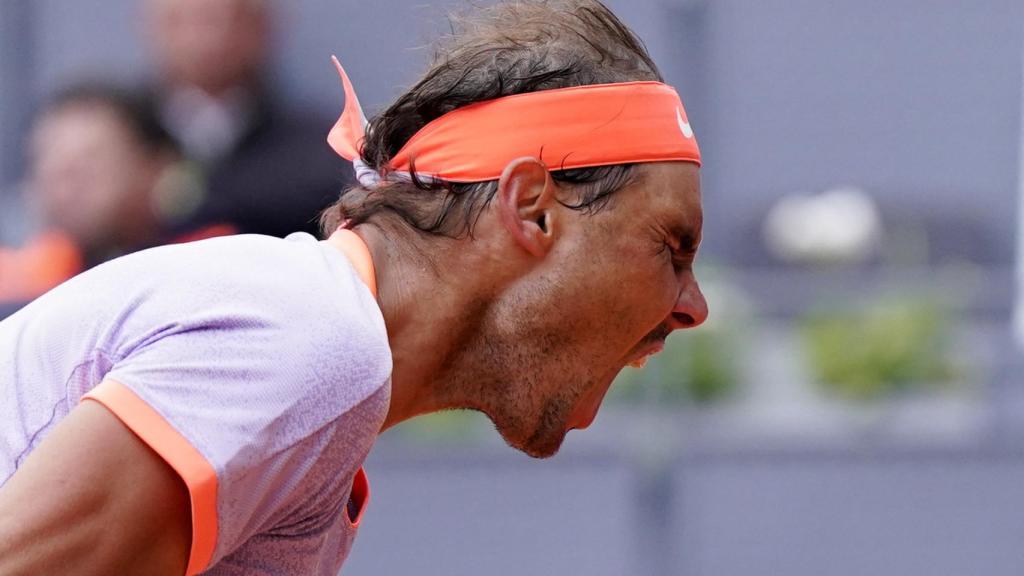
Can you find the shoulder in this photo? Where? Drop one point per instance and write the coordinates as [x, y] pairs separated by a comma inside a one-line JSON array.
[[285, 319], [232, 273]]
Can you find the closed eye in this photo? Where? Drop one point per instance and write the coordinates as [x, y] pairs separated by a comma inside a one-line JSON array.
[[680, 258], [681, 245], [688, 244]]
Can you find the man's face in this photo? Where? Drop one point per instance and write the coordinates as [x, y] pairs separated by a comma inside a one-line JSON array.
[[214, 45], [613, 286], [90, 177]]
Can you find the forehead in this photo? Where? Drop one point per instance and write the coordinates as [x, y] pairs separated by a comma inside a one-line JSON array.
[[670, 189], [79, 127]]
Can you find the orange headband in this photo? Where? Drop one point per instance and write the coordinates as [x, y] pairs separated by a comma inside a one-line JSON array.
[[566, 128]]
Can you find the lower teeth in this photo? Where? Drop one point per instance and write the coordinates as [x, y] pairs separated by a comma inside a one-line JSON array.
[[639, 363]]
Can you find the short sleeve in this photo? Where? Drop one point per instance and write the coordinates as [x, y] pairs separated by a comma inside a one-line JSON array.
[[235, 401]]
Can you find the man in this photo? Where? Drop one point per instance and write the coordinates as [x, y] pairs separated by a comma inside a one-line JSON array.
[[97, 155], [265, 168], [525, 225], [105, 180]]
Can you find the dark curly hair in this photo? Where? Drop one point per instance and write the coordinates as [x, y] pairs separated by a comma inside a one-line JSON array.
[[509, 48]]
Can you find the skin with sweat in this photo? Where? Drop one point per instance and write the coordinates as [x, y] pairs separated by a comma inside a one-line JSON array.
[[530, 318]]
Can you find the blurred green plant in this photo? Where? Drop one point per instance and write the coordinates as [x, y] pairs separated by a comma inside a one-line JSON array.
[[448, 426], [885, 347]]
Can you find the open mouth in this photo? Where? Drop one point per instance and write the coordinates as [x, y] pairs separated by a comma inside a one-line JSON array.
[[587, 410], [640, 358]]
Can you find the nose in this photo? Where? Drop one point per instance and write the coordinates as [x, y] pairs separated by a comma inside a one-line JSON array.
[[691, 310]]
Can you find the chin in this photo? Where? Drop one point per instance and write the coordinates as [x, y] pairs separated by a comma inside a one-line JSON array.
[[537, 435], [538, 450], [543, 450], [543, 443]]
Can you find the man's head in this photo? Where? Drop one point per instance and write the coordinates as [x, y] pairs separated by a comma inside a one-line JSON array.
[[213, 45], [97, 154], [568, 274]]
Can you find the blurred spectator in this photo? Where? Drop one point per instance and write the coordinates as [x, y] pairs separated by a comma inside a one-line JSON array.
[[104, 181], [265, 170]]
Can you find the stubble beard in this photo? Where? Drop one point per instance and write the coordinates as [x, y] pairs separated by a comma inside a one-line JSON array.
[[515, 372], [505, 377]]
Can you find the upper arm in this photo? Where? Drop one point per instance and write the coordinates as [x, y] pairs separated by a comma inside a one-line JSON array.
[[94, 499]]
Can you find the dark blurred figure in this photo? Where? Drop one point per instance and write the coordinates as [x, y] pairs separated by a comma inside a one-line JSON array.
[[105, 179], [265, 170]]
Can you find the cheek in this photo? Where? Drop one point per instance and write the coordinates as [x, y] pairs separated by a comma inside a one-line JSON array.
[[649, 289], [632, 295]]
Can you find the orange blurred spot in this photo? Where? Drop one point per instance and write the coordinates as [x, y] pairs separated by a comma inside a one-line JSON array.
[[40, 265]]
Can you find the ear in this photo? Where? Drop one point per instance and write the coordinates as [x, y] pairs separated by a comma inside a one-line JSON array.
[[526, 204]]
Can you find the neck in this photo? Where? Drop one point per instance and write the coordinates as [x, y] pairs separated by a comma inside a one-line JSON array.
[[424, 313]]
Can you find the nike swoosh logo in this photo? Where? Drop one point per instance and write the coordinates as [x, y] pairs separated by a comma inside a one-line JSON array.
[[684, 127]]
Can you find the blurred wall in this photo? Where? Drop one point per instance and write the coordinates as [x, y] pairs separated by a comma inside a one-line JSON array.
[[915, 101], [15, 73], [840, 511]]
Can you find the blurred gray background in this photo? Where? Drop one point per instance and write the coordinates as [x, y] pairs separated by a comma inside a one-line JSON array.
[[915, 104]]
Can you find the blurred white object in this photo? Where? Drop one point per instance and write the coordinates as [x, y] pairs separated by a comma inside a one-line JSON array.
[[838, 225]]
